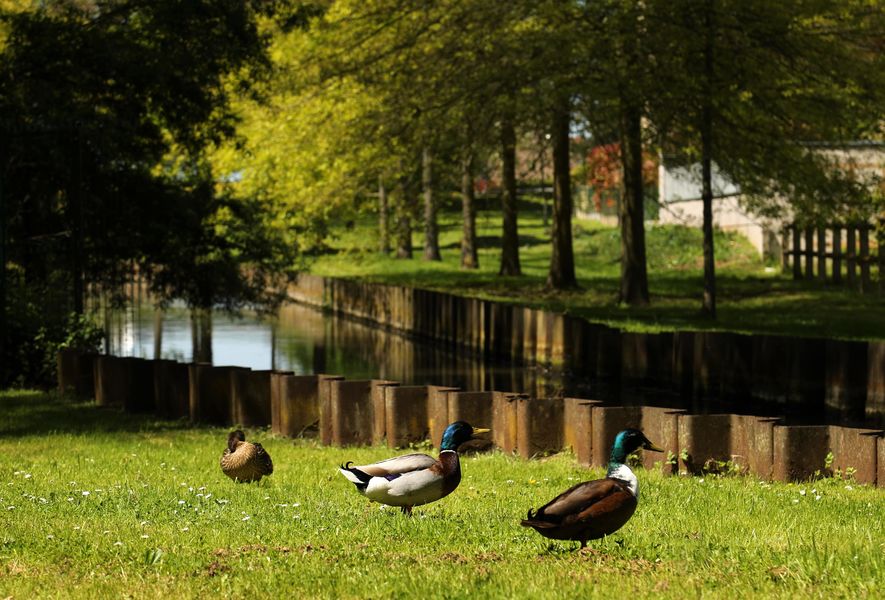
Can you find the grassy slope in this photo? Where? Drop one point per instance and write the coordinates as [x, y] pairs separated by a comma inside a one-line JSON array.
[[751, 297], [113, 505]]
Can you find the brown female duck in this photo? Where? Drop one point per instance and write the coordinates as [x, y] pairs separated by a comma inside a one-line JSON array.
[[594, 509], [245, 461]]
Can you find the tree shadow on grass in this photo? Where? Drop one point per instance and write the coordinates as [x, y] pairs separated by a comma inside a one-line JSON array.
[[494, 242], [42, 413]]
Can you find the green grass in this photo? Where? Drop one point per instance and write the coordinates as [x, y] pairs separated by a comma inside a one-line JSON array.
[[99, 504], [752, 296]]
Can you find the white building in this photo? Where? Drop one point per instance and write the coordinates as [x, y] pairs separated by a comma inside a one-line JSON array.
[[679, 194]]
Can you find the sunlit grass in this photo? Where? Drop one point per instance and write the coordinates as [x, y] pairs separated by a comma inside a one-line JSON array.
[[752, 296], [99, 504]]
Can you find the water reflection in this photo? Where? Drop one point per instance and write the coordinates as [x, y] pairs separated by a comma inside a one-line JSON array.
[[305, 340]]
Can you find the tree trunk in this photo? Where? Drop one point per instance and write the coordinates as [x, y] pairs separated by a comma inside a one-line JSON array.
[[3, 372], [158, 334], [201, 334], [634, 275], [431, 229], [383, 218], [77, 225], [469, 257], [403, 222], [562, 260], [709, 305], [510, 233]]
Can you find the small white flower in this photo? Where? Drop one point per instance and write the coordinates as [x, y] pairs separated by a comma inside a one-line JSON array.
[[801, 492], [144, 537], [208, 496], [85, 492], [202, 487], [817, 497], [296, 516], [267, 497], [849, 488], [246, 518], [76, 528], [510, 482], [701, 480], [27, 475], [118, 543], [181, 501], [185, 528], [143, 523], [10, 508], [795, 501], [50, 537], [296, 504]]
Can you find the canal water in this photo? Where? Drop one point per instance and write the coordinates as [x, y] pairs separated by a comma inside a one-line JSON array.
[[305, 340]]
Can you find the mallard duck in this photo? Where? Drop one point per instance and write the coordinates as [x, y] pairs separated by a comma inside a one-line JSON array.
[[245, 461], [594, 509], [414, 479]]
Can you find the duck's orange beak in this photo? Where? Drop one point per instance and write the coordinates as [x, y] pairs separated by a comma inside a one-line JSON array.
[[478, 430]]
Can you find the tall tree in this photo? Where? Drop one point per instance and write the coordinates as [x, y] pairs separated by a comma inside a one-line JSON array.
[[770, 95], [107, 110], [469, 255], [431, 228], [562, 261], [509, 201]]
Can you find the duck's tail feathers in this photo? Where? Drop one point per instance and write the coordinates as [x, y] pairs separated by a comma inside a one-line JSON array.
[[533, 521], [359, 478], [535, 524]]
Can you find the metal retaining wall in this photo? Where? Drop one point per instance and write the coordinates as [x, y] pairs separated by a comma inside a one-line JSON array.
[[810, 377], [344, 412]]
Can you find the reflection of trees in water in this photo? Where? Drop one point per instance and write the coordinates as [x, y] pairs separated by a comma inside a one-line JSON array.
[[356, 350], [201, 335]]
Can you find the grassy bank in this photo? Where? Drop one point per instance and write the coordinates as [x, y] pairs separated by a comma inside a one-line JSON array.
[[753, 296], [99, 504]]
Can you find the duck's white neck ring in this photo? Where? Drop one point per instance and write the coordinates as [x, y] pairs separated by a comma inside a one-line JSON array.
[[623, 473]]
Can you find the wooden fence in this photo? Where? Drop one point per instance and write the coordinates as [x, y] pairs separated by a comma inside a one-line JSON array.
[[841, 254]]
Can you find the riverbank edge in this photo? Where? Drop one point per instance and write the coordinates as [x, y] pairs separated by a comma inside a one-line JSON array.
[[842, 379]]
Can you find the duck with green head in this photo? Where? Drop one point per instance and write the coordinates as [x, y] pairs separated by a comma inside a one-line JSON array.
[[414, 479], [594, 509]]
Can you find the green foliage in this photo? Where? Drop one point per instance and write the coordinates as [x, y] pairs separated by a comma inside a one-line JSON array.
[[107, 112], [98, 503]]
